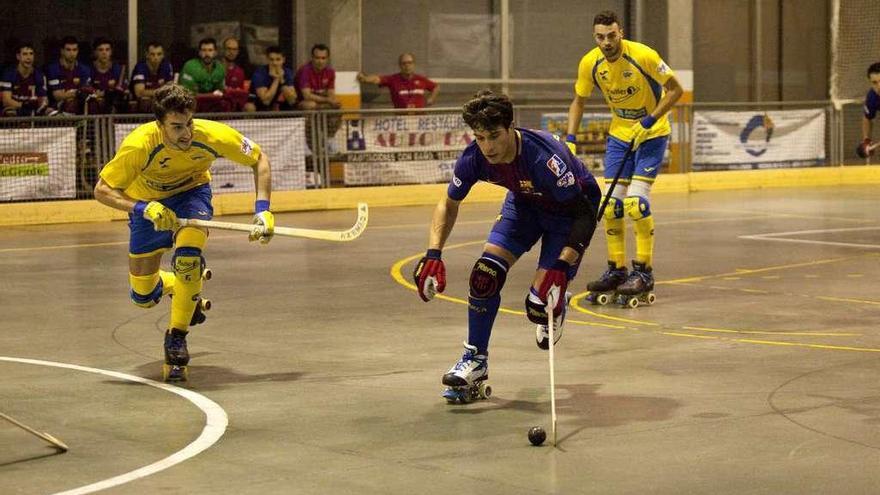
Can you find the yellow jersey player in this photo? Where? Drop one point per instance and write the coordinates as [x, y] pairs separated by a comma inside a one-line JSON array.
[[160, 173], [640, 89]]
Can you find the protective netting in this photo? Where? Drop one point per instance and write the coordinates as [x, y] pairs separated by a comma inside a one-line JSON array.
[[855, 36]]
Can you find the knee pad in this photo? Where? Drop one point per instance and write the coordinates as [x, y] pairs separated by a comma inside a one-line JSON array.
[[488, 277], [146, 290], [637, 207], [614, 209], [188, 263]]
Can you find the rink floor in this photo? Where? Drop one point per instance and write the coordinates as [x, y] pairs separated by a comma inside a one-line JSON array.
[[756, 371]]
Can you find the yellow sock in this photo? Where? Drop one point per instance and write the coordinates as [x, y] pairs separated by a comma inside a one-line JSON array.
[[144, 289], [615, 236], [187, 264], [167, 282], [644, 230]]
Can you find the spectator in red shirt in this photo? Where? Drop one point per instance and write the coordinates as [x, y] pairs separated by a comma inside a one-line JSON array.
[[316, 82], [235, 90], [407, 88]]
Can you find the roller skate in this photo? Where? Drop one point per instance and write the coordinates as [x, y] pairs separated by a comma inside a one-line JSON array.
[[176, 356], [602, 291], [542, 333], [638, 288], [466, 381]]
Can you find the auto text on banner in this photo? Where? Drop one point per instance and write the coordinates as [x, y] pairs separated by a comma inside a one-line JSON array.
[[283, 140], [411, 149], [37, 163], [735, 140]]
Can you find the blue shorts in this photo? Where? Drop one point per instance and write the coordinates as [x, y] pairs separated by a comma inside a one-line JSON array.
[[520, 225], [643, 165], [194, 203]]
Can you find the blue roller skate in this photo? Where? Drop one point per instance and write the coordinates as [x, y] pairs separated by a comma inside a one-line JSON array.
[[176, 356], [466, 381], [602, 291], [638, 288]]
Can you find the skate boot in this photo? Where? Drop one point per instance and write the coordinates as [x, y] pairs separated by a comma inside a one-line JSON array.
[[542, 333], [638, 288], [603, 290], [466, 381], [176, 356]]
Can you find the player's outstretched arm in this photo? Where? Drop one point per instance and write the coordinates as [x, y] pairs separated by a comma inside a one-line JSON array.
[[429, 274], [264, 220], [575, 112], [163, 218], [367, 78]]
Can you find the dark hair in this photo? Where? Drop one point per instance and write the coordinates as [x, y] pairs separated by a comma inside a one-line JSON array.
[[172, 98], [157, 44], [23, 45], [101, 41], [874, 69], [69, 40], [488, 110], [207, 41], [320, 46], [605, 18], [274, 49]]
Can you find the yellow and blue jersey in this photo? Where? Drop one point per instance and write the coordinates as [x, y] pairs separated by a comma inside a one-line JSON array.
[[632, 86], [148, 170]]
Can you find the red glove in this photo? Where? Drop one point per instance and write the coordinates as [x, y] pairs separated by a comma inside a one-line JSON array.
[[430, 275], [555, 280], [865, 150]]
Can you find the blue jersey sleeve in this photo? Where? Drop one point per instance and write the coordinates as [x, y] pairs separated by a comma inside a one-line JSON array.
[[464, 176], [53, 75], [7, 80], [166, 71], [40, 82], [139, 74], [872, 104], [260, 79], [85, 75], [288, 77]]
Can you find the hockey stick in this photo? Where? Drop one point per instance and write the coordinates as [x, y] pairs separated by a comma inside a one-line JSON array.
[[326, 235], [58, 444], [629, 151], [552, 297]]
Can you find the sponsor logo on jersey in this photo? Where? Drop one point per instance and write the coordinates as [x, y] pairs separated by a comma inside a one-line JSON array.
[[566, 180], [162, 162], [631, 113], [627, 74], [456, 181], [246, 146], [556, 165], [620, 95], [603, 75], [663, 68]]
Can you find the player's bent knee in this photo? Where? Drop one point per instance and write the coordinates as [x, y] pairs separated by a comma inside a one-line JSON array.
[[188, 263], [614, 209], [488, 277], [637, 207]]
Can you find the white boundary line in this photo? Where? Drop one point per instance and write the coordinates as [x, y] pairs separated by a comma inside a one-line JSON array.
[[216, 422], [777, 236]]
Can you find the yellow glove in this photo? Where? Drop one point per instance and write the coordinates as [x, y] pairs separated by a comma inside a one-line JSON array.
[[640, 131], [163, 218], [264, 223]]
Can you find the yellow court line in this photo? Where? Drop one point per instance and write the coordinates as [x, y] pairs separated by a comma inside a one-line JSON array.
[[575, 300], [750, 271], [87, 245], [811, 334], [847, 299]]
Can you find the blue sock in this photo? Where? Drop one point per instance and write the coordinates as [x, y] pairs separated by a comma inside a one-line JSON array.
[[482, 312]]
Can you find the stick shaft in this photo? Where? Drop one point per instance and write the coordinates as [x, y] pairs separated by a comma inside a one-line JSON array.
[[44, 436], [551, 304], [607, 197]]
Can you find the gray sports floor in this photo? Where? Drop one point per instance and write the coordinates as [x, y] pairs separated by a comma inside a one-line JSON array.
[[757, 370]]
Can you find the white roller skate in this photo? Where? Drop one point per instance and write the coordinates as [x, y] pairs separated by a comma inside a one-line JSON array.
[[466, 381], [542, 333]]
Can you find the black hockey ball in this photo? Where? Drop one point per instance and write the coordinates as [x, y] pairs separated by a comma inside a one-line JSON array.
[[537, 435]]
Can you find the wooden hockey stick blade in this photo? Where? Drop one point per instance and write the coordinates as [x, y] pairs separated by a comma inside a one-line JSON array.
[[58, 444], [351, 234]]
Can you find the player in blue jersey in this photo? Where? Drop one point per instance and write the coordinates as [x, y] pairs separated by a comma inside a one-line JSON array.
[[70, 81], [872, 104], [551, 197]]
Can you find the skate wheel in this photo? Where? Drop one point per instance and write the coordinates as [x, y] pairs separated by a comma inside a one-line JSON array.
[[174, 373], [650, 298], [205, 304], [633, 302], [207, 274], [487, 392], [602, 299]]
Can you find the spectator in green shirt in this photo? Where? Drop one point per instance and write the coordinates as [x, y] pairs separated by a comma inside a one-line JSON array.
[[206, 77]]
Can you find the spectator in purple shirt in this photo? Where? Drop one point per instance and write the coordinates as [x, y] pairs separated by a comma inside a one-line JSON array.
[[69, 81], [108, 79], [23, 87], [150, 75], [316, 81]]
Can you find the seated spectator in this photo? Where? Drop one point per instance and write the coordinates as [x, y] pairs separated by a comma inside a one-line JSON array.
[[69, 81], [108, 79], [407, 88], [150, 75], [23, 87], [206, 77], [272, 85], [235, 90], [316, 82]]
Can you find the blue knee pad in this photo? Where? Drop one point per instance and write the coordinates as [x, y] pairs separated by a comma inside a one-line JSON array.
[[148, 300], [637, 207], [614, 209], [488, 276]]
